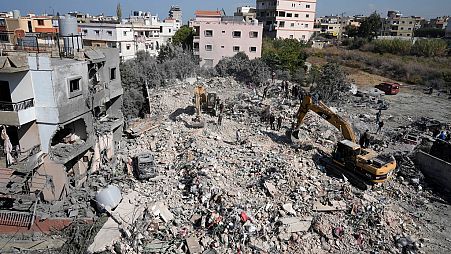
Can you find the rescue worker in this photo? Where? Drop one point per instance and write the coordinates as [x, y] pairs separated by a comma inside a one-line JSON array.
[[380, 125], [220, 119], [279, 122], [365, 139], [272, 119]]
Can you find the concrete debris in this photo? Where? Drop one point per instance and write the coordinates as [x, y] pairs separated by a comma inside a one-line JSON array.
[[193, 245], [334, 206], [259, 193], [159, 209]]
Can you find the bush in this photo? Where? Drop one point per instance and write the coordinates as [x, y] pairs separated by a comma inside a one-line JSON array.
[[396, 46], [332, 83], [430, 47], [243, 69], [284, 54]]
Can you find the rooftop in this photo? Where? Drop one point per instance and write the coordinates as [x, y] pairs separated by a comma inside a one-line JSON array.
[[208, 13]]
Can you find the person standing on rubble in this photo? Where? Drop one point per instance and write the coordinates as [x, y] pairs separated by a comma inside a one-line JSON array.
[[279, 122], [365, 139], [378, 116], [273, 77], [7, 147], [220, 119], [265, 92], [380, 125], [238, 136], [442, 135], [272, 119]]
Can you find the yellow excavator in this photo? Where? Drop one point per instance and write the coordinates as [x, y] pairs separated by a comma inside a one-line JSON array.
[[362, 166], [204, 102]]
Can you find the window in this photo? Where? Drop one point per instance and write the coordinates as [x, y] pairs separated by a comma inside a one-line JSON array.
[[236, 34], [97, 32], [128, 46], [74, 87], [289, 15], [85, 31], [110, 33], [253, 49], [223, 31], [208, 33], [402, 28], [282, 24], [253, 34], [209, 47], [292, 24], [306, 25], [307, 6], [296, 15], [291, 36], [307, 15], [236, 49], [40, 22], [125, 33], [222, 46], [281, 14], [303, 36], [113, 73]]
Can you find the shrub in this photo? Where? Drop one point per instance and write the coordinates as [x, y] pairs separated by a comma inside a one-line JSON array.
[[396, 46], [243, 69], [430, 47]]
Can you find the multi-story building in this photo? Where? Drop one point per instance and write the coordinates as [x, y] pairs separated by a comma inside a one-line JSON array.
[[397, 25], [175, 13], [439, 22], [335, 26], [247, 12], [62, 115], [217, 36], [287, 18], [142, 31]]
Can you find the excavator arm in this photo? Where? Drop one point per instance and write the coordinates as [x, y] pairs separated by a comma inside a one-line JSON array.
[[322, 110]]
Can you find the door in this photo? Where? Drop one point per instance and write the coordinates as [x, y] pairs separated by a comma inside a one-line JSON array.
[[5, 97]]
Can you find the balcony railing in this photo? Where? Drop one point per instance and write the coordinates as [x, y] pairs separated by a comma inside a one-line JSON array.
[[18, 106]]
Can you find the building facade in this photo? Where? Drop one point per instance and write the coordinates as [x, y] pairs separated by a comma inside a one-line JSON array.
[[397, 25], [291, 19], [142, 31], [217, 37], [248, 13], [62, 117]]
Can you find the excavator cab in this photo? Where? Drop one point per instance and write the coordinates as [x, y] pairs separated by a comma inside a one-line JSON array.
[[346, 152]]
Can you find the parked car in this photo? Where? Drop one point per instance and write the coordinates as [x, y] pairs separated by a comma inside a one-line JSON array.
[[389, 88], [144, 166]]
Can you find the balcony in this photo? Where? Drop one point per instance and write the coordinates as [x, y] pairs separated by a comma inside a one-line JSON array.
[[17, 113]]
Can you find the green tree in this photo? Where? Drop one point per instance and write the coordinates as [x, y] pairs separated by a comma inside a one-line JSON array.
[[119, 12], [184, 37], [370, 26], [430, 32], [284, 54], [332, 83]]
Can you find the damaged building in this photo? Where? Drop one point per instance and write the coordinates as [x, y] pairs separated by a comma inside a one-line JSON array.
[[60, 116]]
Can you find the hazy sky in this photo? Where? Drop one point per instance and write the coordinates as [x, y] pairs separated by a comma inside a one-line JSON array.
[[429, 8]]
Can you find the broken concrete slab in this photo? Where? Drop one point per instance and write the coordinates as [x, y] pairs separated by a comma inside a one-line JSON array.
[[126, 213], [295, 224], [271, 189], [160, 209], [288, 207], [193, 245], [335, 206]]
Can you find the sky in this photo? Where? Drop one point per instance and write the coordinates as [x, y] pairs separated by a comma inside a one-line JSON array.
[[427, 9]]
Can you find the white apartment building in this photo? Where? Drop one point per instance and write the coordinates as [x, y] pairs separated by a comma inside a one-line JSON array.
[[292, 19], [142, 31]]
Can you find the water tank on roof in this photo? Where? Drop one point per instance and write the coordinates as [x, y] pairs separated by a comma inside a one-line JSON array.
[[68, 25], [16, 14]]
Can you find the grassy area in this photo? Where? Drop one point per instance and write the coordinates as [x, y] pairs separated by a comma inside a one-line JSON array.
[[431, 71]]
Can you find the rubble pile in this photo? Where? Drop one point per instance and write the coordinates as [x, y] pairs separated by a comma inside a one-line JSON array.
[[253, 192]]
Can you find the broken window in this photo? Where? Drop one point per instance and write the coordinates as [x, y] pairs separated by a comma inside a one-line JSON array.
[[208, 33], [253, 34], [112, 73], [74, 85]]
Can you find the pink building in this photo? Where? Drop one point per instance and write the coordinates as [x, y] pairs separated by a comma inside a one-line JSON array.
[[218, 36], [292, 19]]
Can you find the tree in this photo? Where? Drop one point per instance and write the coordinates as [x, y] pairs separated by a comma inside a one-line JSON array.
[[119, 12], [184, 37], [370, 27], [284, 54], [243, 69], [430, 32], [332, 83]]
